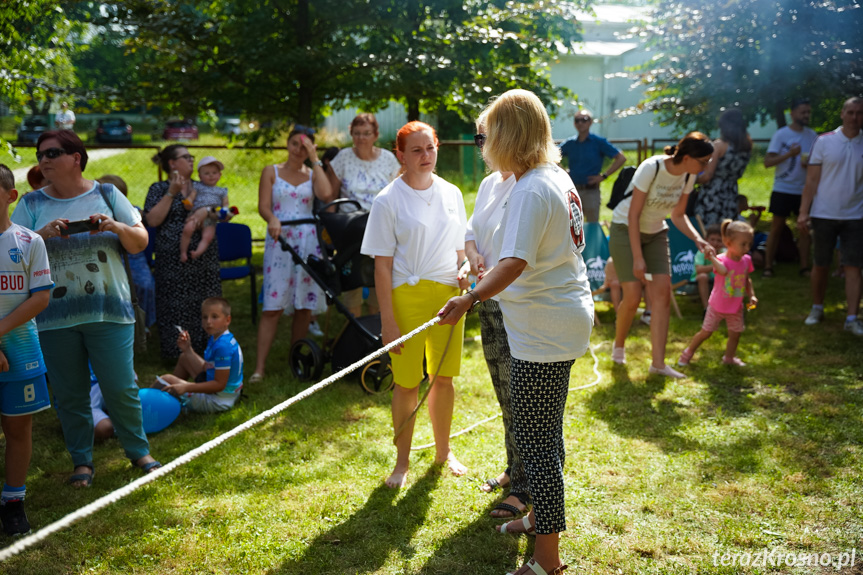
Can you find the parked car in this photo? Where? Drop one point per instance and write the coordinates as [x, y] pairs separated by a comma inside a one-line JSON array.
[[231, 127], [113, 130], [31, 128], [180, 130]]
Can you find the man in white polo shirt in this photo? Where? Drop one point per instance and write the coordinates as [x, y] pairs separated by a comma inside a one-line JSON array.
[[833, 204]]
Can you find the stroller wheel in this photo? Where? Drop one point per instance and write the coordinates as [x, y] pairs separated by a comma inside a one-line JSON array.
[[307, 360], [377, 378]]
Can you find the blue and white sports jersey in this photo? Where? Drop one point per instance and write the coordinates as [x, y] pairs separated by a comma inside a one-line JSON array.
[[224, 353], [23, 271]]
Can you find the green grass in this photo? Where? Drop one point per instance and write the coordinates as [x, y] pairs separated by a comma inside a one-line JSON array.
[[660, 475]]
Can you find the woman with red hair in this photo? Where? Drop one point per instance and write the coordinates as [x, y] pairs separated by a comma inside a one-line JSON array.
[[416, 234]]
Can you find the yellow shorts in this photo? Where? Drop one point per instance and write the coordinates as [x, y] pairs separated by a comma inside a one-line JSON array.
[[414, 306]]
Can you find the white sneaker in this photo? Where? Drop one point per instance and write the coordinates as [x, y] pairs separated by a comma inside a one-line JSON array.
[[618, 354], [855, 326], [315, 330], [815, 316], [667, 371], [645, 318]]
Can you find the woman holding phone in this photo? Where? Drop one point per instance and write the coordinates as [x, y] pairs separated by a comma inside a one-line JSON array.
[[90, 317]]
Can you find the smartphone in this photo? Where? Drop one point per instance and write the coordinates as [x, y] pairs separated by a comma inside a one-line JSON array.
[[79, 227]]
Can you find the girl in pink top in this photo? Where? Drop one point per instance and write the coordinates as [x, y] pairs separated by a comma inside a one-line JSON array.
[[726, 300]]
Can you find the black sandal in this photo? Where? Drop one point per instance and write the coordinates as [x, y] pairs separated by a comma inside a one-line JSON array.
[[515, 511], [493, 485]]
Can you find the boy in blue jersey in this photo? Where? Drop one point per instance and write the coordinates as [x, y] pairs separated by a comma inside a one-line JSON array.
[[25, 283], [222, 362]]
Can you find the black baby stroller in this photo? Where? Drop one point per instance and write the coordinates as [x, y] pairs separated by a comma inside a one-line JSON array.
[[343, 268]]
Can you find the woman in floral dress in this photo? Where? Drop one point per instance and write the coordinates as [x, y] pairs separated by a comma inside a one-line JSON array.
[[286, 192], [717, 199]]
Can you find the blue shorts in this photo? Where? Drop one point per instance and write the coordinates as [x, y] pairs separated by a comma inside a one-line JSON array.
[[24, 397]]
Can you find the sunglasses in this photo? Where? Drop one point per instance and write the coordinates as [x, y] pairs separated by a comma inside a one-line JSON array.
[[299, 128], [479, 140], [50, 153], [581, 120]]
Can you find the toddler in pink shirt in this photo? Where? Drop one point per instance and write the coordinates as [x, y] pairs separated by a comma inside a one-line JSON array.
[[726, 300]]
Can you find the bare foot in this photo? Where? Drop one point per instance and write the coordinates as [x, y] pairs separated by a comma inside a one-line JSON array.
[[398, 479], [502, 483], [455, 467], [197, 253]]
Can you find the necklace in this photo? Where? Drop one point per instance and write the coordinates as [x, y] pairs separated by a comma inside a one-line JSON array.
[[420, 196]]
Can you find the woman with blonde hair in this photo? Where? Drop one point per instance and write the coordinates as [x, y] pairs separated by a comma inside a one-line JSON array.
[[416, 234], [541, 280]]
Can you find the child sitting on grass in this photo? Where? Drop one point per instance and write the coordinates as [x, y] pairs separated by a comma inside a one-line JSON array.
[[204, 202], [726, 299], [25, 284], [702, 270], [222, 363]]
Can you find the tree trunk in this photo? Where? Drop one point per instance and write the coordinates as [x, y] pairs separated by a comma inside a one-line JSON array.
[[779, 114], [413, 109]]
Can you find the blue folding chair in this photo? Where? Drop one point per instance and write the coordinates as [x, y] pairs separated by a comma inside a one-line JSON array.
[[235, 243], [595, 253]]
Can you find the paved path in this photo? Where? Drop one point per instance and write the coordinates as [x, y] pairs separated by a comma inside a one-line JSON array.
[[21, 173]]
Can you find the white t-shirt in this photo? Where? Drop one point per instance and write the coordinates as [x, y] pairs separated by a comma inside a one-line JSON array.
[[488, 213], [65, 120], [840, 190], [420, 229], [548, 309], [23, 271], [362, 180], [663, 193], [790, 176]]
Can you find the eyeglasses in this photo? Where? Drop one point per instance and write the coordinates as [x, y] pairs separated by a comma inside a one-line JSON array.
[[581, 120], [51, 153], [702, 162], [479, 140], [189, 157], [363, 134]]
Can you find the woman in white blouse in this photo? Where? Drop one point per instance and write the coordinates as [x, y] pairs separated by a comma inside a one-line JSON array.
[[416, 234], [360, 173]]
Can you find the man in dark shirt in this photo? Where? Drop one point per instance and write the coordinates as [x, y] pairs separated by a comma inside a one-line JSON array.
[[585, 153]]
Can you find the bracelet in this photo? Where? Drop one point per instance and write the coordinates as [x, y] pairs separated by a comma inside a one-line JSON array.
[[318, 163], [464, 262], [473, 295]]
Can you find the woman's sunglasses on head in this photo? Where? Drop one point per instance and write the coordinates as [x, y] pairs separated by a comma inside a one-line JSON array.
[[479, 140], [50, 153]]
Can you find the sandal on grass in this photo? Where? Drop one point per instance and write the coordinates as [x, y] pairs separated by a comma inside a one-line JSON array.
[[148, 467], [510, 509], [85, 478], [525, 523], [532, 567], [491, 485]]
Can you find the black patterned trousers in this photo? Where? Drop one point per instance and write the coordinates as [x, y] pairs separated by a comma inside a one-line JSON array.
[[495, 347], [539, 393]]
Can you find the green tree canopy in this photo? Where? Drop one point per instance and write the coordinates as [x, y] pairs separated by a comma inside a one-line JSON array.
[[291, 60], [752, 54]]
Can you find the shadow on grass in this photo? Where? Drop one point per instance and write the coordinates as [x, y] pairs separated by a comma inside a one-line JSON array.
[[477, 548], [364, 542]]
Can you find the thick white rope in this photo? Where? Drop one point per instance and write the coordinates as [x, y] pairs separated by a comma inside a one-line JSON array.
[[486, 420], [122, 492]]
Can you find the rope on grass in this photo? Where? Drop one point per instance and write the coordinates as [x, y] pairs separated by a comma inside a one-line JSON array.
[[122, 492], [493, 417]]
